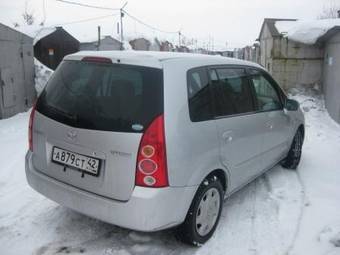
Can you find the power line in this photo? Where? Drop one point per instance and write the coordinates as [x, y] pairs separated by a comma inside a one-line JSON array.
[[149, 26], [121, 10], [89, 6], [85, 20]]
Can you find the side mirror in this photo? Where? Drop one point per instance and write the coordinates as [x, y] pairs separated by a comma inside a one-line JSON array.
[[291, 105]]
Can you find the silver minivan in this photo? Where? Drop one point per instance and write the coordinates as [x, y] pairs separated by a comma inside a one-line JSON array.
[[150, 141]]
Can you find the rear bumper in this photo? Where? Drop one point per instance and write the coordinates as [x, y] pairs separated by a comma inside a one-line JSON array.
[[148, 209]]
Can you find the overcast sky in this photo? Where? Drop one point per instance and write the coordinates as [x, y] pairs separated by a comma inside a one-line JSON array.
[[234, 23]]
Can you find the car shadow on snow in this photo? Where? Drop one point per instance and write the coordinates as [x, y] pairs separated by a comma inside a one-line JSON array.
[[262, 217]]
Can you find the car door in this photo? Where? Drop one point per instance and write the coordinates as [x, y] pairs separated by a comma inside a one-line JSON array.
[[240, 130], [269, 103]]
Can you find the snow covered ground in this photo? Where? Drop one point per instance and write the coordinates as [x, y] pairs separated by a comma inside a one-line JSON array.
[[283, 212]]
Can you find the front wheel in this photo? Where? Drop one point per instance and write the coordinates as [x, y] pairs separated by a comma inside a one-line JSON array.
[[294, 155], [204, 213]]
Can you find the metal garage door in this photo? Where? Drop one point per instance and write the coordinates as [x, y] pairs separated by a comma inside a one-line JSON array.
[[7, 87]]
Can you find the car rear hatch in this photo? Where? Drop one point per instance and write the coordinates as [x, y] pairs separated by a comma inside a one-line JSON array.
[[95, 111]]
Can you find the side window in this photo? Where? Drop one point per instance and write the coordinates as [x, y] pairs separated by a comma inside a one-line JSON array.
[[232, 91], [267, 97], [199, 96]]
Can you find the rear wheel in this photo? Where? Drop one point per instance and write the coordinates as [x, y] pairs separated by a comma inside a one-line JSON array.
[[204, 213], [294, 155]]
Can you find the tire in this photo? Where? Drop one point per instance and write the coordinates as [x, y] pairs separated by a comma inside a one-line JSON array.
[[204, 213], [294, 155]]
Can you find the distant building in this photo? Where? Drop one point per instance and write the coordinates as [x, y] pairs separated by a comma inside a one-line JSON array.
[[106, 43], [238, 53], [140, 44], [228, 53], [166, 46], [51, 49], [17, 92], [155, 45], [201, 51], [252, 53], [223, 53], [182, 49]]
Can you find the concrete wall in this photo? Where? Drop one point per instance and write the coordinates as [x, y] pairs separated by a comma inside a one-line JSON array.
[[291, 72], [285, 48], [289, 62], [17, 92], [296, 63], [331, 77]]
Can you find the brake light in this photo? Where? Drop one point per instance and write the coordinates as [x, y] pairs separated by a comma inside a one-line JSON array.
[[30, 129], [97, 60], [151, 169]]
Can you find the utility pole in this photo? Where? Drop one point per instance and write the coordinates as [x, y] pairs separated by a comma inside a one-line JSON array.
[[98, 44], [121, 26], [179, 38]]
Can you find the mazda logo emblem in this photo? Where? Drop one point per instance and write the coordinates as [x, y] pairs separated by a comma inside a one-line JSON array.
[[72, 135]]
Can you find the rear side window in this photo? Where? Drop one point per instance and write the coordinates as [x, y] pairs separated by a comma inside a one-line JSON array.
[[232, 91], [108, 97], [200, 108], [268, 98]]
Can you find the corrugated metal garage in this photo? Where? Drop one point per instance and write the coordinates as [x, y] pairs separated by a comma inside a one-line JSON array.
[[17, 92]]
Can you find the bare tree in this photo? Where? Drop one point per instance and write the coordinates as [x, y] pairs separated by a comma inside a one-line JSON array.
[[330, 11], [28, 15]]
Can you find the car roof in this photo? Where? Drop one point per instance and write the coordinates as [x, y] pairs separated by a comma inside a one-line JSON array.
[[156, 58]]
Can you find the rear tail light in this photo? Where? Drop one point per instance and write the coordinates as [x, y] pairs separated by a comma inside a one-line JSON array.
[[151, 169], [30, 129]]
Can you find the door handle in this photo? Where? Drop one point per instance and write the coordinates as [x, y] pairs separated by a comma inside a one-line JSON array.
[[227, 136]]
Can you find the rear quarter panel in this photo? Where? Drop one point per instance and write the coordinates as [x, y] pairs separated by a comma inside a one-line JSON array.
[[192, 147]]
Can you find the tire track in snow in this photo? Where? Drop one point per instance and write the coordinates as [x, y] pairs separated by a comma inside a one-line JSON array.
[[303, 198]]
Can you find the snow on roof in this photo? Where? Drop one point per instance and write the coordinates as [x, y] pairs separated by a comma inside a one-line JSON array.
[[35, 31], [307, 32], [284, 26]]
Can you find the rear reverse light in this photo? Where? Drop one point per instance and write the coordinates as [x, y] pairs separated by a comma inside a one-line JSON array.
[[30, 129], [151, 169]]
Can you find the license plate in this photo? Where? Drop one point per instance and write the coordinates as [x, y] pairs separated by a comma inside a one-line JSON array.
[[84, 163]]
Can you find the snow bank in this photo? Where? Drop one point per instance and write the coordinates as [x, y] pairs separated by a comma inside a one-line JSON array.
[[42, 75], [307, 32]]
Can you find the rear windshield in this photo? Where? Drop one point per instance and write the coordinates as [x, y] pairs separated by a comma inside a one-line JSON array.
[[109, 97]]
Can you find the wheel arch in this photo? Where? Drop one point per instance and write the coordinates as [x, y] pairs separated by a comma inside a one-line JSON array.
[[221, 175]]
